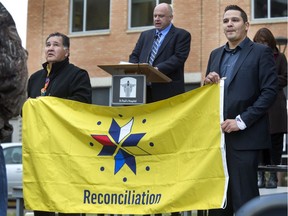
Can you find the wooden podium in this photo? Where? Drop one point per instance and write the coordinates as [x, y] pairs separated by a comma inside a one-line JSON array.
[[151, 73], [129, 82]]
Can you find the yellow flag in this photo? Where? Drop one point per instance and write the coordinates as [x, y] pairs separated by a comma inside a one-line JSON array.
[[161, 157]]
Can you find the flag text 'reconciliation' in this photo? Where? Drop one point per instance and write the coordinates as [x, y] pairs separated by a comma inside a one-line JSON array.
[[127, 198]]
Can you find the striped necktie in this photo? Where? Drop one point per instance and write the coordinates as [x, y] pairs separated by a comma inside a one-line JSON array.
[[154, 47]]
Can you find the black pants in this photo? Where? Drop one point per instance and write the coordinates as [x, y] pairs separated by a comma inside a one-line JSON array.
[[273, 156], [242, 186], [277, 148]]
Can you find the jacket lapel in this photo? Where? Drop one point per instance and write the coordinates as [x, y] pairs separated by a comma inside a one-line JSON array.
[[218, 58], [167, 38], [244, 53]]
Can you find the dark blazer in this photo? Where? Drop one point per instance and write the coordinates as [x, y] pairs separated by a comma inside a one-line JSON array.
[[169, 60], [250, 93]]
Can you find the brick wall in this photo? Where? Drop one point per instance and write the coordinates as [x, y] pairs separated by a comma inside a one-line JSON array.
[[203, 19]]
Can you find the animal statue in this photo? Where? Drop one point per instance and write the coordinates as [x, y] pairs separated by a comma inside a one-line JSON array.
[[13, 72]]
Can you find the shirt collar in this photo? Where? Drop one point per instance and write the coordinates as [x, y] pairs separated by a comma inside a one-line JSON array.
[[165, 31], [239, 47]]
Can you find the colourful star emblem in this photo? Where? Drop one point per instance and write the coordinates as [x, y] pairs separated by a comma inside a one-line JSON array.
[[121, 145]]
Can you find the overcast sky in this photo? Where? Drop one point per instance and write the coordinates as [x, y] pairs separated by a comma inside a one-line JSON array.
[[18, 10]]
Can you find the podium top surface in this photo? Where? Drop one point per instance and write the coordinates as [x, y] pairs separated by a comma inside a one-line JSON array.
[[152, 74]]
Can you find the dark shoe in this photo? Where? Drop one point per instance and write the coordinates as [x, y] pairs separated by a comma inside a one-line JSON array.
[[272, 181], [261, 179]]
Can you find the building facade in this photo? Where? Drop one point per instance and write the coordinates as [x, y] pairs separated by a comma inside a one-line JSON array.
[[105, 31]]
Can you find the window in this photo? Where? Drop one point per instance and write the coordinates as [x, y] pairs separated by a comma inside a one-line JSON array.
[[269, 9], [13, 155], [89, 15], [141, 12]]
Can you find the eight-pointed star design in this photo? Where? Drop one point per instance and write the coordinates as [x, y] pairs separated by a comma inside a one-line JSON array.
[[117, 147]]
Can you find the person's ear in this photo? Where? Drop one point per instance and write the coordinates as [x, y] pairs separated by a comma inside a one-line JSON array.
[[67, 53], [247, 26]]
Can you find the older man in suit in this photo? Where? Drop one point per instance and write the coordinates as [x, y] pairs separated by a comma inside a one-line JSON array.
[[250, 89], [168, 55]]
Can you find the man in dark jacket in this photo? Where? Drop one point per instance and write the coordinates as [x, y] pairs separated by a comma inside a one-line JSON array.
[[169, 55], [59, 78], [250, 89], [13, 80]]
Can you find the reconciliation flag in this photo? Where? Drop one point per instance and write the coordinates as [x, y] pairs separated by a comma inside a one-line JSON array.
[[162, 157]]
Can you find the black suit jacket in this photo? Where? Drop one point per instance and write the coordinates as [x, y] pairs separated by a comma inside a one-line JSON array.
[[169, 60], [251, 91]]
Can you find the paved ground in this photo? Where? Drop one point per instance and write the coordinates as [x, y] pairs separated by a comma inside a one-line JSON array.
[[264, 191]]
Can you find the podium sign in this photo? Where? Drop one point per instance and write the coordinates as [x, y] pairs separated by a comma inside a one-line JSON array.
[[128, 90], [129, 82]]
